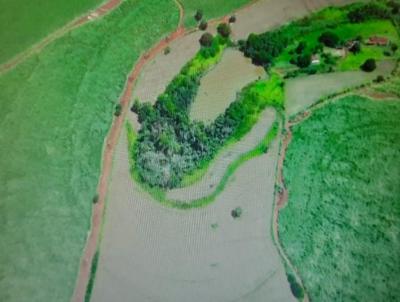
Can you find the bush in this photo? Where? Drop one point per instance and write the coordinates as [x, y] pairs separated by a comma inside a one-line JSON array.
[[167, 50], [304, 60], [224, 30], [295, 287], [203, 25], [237, 212], [199, 15], [329, 39], [118, 110], [379, 79], [394, 47], [206, 40], [369, 65], [95, 199], [299, 49], [232, 19]]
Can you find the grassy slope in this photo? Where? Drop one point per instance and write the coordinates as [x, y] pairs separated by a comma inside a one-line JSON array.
[[27, 22], [210, 8], [56, 109], [342, 223]]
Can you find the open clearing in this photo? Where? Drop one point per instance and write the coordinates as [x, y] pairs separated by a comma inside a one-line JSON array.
[[207, 184], [25, 22], [221, 84], [197, 255], [342, 173], [56, 110], [304, 91]]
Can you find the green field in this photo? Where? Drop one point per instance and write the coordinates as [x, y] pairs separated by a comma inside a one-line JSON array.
[[56, 110], [210, 8], [341, 225], [24, 22]]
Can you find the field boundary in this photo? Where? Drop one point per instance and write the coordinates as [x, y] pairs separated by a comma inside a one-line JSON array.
[[75, 23]]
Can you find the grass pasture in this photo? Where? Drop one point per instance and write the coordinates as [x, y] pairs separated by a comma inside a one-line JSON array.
[[56, 110], [24, 22], [340, 227]]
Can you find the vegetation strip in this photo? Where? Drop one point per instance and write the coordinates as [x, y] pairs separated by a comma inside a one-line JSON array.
[[159, 195]]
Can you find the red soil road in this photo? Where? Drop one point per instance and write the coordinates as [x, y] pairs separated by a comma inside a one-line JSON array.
[[111, 142], [100, 11]]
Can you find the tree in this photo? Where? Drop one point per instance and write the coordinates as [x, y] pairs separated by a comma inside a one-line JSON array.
[[369, 65], [304, 60], [224, 30], [329, 39], [206, 40], [237, 212], [199, 15], [203, 25], [232, 19], [394, 47], [118, 110], [302, 45]]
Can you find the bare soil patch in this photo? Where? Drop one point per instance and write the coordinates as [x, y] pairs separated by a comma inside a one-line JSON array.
[[220, 85]]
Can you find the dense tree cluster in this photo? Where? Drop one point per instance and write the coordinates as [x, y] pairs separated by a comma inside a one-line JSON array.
[[329, 39], [263, 48], [368, 11], [169, 144]]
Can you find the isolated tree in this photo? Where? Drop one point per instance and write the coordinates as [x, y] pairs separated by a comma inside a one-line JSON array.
[[237, 212], [206, 40], [199, 15], [224, 30], [232, 19], [203, 25], [369, 65], [330, 39]]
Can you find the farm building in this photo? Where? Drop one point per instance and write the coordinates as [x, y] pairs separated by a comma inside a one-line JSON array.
[[375, 40]]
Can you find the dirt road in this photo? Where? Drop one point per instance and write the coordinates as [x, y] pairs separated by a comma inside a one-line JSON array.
[[111, 142]]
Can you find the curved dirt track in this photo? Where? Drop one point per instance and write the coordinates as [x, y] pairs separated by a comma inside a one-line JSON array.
[[110, 143], [99, 12]]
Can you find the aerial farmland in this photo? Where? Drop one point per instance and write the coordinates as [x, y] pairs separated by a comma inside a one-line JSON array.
[[187, 150]]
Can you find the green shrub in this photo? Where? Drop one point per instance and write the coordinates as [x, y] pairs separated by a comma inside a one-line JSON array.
[[237, 212], [329, 39], [369, 65], [295, 287], [224, 30], [199, 15], [232, 19], [203, 25], [206, 39], [167, 50], [118, 110]]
